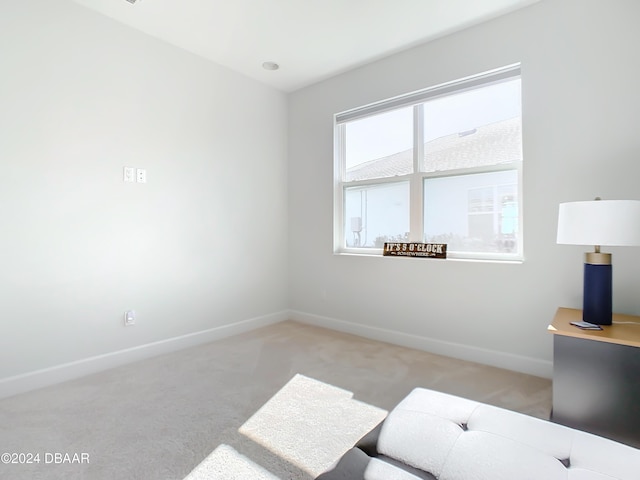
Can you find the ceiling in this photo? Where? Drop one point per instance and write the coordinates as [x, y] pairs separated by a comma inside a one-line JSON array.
[[310, 39]]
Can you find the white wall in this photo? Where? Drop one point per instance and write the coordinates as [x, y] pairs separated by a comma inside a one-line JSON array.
[[197, 247], [580, 106]]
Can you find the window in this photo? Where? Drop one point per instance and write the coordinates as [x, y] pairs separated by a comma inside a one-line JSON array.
[[442, 165]]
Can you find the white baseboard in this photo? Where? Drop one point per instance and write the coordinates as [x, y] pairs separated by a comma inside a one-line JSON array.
[[68, 371], [509, 361]]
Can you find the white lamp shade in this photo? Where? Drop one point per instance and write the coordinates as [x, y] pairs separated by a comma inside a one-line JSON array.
[[600, 222]]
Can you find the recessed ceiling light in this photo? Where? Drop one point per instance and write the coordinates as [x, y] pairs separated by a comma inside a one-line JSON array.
[[270, 66]]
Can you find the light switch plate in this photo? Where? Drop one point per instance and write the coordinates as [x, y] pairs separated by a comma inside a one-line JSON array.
[[129, 318], [128, 174]]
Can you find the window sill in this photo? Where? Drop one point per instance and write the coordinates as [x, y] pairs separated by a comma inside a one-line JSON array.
[[509, 260]]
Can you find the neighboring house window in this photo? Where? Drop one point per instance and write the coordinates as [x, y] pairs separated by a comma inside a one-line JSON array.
[[442, 165]]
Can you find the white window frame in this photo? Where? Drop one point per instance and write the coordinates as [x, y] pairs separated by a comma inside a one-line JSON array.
[[416, 179]]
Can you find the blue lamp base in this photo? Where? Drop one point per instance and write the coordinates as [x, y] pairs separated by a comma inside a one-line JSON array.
[[598, 292]]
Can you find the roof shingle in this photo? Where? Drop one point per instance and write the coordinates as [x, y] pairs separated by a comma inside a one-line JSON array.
[[493, 144]]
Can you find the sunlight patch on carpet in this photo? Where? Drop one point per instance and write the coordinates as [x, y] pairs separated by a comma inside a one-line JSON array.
[[311, 424], [225, 463]]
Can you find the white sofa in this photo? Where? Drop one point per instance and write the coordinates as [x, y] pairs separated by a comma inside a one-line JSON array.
[[432, 435]]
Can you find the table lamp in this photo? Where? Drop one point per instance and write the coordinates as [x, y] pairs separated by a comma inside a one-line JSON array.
[[597, 223]]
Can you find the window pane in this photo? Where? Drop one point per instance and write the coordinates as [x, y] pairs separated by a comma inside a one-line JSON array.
[[473, 213], [375, 214], [380, 146], [474, 128]]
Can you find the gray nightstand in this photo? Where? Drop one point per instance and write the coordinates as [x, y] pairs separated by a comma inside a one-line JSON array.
[[596, 376]]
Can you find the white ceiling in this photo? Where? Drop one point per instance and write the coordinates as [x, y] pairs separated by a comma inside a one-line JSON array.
[[309, 39]]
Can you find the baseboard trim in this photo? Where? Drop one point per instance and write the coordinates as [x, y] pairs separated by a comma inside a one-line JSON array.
[[509, 361], [45, 377]]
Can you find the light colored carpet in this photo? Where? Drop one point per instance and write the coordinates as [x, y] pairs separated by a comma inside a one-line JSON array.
[[307, 423], [175, 416]]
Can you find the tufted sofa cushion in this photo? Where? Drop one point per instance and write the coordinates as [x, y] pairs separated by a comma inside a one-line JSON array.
[[432, 435]]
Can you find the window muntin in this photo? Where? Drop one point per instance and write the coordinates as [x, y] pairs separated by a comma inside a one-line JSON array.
[[463, 168]]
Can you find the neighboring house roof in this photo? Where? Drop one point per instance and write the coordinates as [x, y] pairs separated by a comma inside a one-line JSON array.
[[492, 144]]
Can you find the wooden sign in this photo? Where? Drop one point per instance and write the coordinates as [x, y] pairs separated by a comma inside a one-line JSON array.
[[415, 249]]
